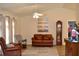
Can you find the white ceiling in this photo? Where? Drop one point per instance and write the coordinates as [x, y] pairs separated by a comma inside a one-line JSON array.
[[23, 9]]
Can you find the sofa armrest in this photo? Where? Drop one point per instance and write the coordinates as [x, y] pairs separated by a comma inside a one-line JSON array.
[[12, 48], [33, 38], [51, 38]]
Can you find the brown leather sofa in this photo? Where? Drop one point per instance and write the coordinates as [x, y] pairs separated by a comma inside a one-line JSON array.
[[42, 40]]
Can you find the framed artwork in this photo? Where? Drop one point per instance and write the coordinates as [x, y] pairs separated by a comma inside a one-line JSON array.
[[71, 25], [42, 25]]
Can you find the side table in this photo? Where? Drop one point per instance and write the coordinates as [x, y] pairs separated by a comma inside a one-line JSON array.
[[24, 43]]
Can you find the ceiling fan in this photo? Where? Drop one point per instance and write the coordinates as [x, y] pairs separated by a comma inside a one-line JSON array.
[[37, 15]]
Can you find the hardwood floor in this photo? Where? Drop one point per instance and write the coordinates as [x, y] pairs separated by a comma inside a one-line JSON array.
[[44, 51], [61, 50]]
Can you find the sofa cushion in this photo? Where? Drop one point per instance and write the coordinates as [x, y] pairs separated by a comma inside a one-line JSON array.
[[38, 36], [47, 36], [42, 40]]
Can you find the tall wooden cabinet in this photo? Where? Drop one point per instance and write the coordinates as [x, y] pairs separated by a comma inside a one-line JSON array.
[[58, 33], [71, 48]]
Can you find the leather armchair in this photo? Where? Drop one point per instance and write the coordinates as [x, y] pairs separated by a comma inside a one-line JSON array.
[[14, 50]]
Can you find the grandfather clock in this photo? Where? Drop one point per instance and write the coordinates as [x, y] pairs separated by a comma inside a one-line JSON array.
[[58, 33]]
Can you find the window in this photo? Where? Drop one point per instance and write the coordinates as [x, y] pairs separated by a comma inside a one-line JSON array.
[[2, 26], [13, 31], [0, 29], [7, 30], [9, 24], [7, 27]]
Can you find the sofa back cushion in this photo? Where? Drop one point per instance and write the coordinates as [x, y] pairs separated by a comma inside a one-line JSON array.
[[47, 36], [38, 36], [43, 36]]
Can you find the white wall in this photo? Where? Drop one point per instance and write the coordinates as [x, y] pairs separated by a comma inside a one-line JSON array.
[[27, 26], [59, 14], [6, 13]]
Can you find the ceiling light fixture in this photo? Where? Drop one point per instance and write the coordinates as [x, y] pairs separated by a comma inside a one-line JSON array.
[[37, 15]]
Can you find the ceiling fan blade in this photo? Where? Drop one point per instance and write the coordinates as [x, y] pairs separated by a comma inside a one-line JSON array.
[[36, 15]]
